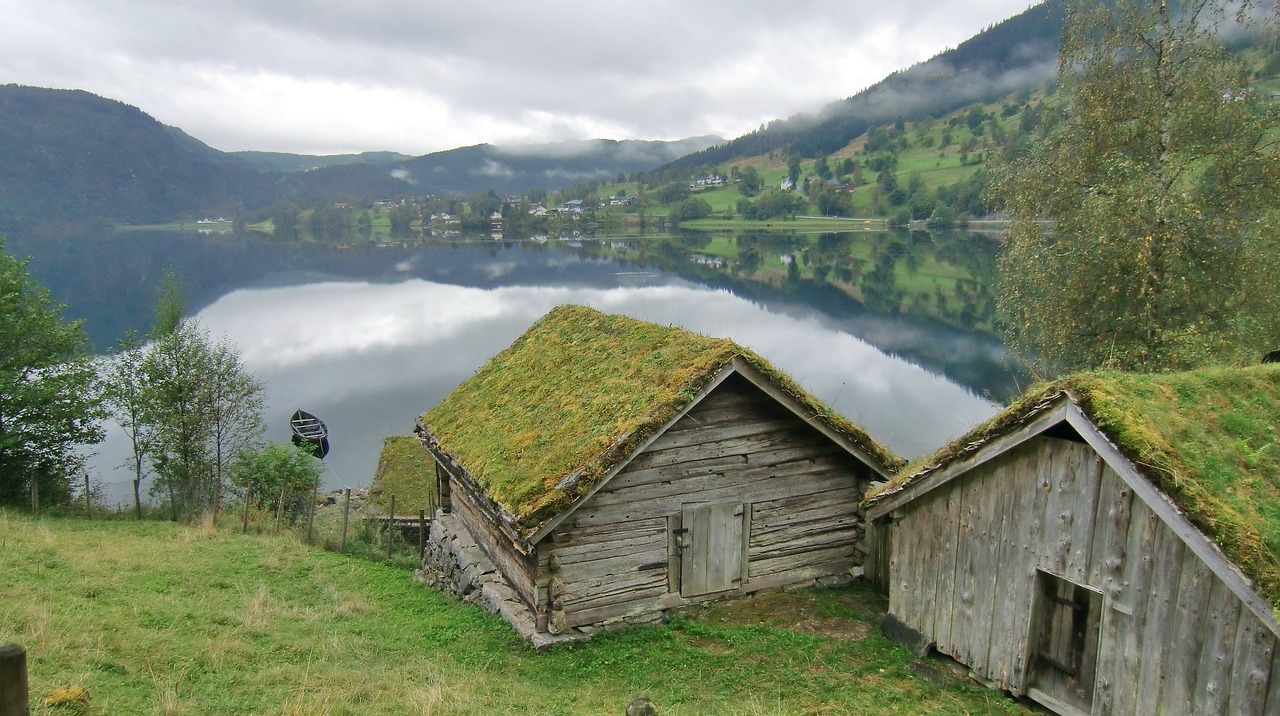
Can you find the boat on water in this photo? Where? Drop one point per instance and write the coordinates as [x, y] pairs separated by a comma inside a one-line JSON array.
[[310, 430]]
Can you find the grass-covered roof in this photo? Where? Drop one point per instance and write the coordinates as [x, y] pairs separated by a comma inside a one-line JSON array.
[[405, 469], [1210, 439], [550, 416]]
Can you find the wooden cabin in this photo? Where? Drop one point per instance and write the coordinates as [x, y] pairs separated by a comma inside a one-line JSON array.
[[612, 468], [1107, 545]]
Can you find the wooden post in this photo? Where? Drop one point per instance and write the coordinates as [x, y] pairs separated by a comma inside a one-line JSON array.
[[88, 505], [311, 516], [346, 510], [422, 535], [13, 681], [248, 498], [35, 494], [391, 516], [284, 488]]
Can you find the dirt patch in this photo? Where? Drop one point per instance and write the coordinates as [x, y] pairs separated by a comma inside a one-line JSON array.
[[838, 614], [834, 628]]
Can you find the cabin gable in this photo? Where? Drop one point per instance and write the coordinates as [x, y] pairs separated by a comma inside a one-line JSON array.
[[1046, 569], [737, 495]]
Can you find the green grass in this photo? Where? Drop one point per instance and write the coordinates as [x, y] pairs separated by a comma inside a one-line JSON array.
[[800, 224], [406, 470], [156, 618]]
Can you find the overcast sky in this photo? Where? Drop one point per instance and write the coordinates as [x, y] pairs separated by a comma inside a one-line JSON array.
[[415, 76]]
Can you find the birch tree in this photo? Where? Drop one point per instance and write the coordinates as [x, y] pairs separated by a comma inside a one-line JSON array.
[[1144, 235]]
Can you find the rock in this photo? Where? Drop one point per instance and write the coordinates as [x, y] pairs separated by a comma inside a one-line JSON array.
[[642, 707]]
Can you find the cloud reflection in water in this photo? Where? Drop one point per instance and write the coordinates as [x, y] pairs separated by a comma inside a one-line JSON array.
[[369, 358]]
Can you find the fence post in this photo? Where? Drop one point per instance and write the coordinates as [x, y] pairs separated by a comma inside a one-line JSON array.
[[391, 517], [346, 510], [248, 498], [311, 517], [88, 505], [13, 681], [422, 535], [35, 494]]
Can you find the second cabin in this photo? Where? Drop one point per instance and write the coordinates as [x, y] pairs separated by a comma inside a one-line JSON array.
[[612, 469], [1110, 544]]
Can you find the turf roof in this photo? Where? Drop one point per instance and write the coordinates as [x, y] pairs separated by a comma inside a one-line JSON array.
[[1210, 439], [551, 415]]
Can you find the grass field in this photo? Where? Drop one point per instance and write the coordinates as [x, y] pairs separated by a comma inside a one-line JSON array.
[[155, 618]]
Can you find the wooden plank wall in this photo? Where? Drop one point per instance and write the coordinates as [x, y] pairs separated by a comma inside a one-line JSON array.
[[1173, 637], [800, 493]]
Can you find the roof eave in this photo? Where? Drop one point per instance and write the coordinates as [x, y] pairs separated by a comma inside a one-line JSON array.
[[502, 519], [934, 477]]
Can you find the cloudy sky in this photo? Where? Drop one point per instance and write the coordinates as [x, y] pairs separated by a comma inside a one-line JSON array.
[[415, 76]]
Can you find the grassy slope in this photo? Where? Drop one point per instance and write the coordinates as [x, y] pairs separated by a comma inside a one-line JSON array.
[[159, 618]]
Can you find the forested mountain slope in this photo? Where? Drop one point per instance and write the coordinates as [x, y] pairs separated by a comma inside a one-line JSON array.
[[1014, 54]]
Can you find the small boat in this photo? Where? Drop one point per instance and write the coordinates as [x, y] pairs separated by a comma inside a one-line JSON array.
[[310, 430]]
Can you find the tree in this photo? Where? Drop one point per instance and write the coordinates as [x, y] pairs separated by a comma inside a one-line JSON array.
[[124, 390], [821, 168], [692, 208], [235, 410], [1161, 248], [275, 472], [202, 406], [749, 181], [49, 397]]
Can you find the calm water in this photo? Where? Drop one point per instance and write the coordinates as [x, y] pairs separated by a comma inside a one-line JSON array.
[[369, 339]]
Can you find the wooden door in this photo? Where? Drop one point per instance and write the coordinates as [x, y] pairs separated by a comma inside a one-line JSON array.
[[710, 549], [1066, 621]]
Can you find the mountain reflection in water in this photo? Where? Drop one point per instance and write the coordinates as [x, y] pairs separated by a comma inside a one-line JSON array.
[[369, 340]]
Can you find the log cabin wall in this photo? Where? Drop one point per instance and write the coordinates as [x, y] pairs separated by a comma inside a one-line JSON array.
[[1043, 572], [737, 495], [520, 570]]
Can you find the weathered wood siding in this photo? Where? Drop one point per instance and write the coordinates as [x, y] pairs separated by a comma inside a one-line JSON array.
[[618, 554], [1173, 637]]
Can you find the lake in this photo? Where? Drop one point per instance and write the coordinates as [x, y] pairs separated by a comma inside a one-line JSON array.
[[370, 338]]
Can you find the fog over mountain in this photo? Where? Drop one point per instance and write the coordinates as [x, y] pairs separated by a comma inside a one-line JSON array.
[[413, 77]]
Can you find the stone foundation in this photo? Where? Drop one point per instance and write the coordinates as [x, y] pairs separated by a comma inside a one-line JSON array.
[[455, 564]]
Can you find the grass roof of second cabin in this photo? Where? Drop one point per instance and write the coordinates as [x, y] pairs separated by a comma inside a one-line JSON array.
[[1210, 439], [405, 469], [578, 393]]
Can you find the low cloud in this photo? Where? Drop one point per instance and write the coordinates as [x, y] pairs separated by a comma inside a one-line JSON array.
[[290, 75], [491, 168]]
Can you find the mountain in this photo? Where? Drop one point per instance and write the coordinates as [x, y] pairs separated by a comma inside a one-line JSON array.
[[540, 166], [284, 162], [1012, 55], [68, 155], [71, 155]]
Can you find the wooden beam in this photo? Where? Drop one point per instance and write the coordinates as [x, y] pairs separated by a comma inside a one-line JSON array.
[[884, 504]]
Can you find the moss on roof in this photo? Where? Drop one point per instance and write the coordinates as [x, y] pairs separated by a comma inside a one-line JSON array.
[[550, 416], [1210, 439], [405, 469]]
